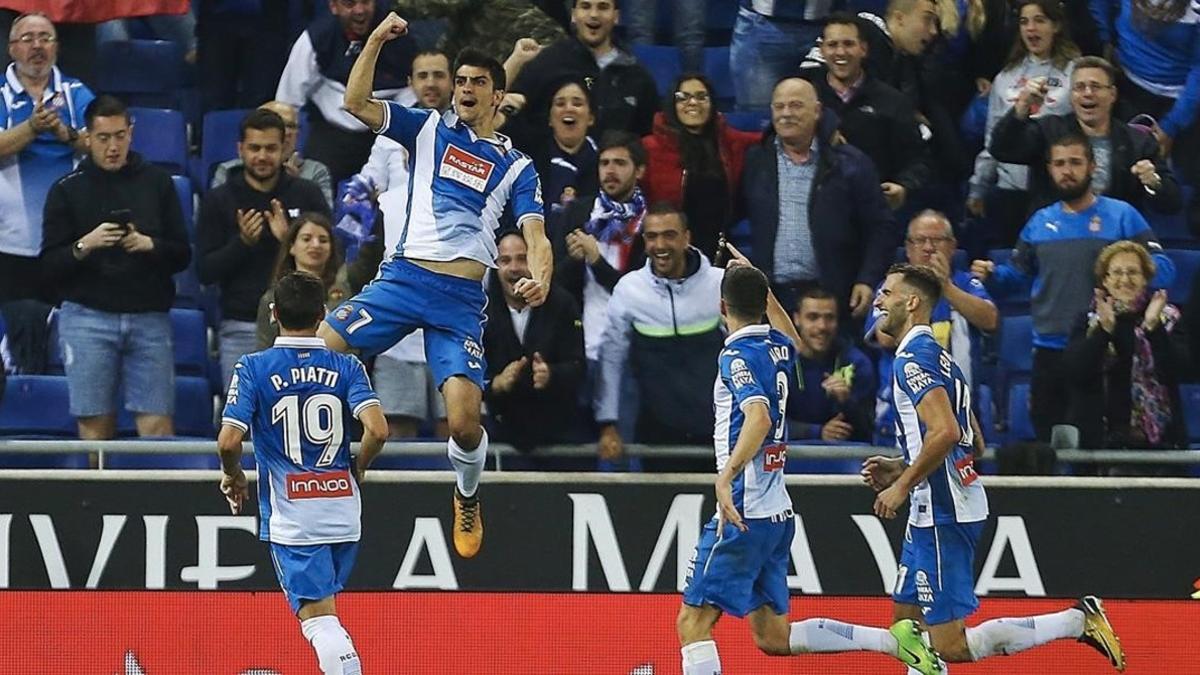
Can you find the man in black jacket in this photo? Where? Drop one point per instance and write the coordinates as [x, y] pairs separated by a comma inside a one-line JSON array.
[[113, 235], [240, 226], [534, 356], [875, 117], [1128, 165], [624, 91], [817, 216]]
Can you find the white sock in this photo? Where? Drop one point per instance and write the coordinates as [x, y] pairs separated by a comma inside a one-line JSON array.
[[945, 669], [335, 652], [827, 635], [1009, 636], [700, 658], [468, 464]]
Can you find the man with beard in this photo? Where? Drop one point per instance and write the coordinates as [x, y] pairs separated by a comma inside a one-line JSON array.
[[948, 507], [1057, 250], [240, 225], [534, 355], [299, 167]]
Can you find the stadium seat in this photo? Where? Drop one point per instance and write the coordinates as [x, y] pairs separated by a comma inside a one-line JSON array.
[[716, 68], [191, 342], [1172, 229], [1020, 426], [1186, 264], [663, 62], [143, 72], [1189, 395], [193, 407], [183, 188], [160, 136], [1000, 256], [748, 121], [36, 405], [1016, 344], [220, 133], [164, 460]]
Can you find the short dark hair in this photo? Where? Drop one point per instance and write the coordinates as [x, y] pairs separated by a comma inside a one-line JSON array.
[[260, 119], [1071, 138], [663, 207], [744, 290], [432, 52], [618, 138], [470, 56], [1095, 62], [920, 278], [844, 19], [299, 300], [105, 105], [616, 4], [814, 293]]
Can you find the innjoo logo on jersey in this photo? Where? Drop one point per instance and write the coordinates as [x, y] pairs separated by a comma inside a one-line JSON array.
[[966, 470], [775, 457], [461, 166], [319, 485]]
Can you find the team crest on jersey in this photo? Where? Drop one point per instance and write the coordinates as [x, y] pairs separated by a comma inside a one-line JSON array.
[[462, 167], [916, 378], [924, 589], [343, 312], [740, 373]]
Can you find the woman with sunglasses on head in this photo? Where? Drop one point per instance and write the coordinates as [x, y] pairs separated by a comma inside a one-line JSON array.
[[695, 160], [1043, 51]]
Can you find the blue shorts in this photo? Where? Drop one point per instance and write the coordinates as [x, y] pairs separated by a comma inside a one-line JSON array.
[[310, 573], [738, 572], [103, 351], [405, 297], [937, 571]]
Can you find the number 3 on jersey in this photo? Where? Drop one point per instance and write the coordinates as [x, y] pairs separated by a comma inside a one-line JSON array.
[[320, 421]]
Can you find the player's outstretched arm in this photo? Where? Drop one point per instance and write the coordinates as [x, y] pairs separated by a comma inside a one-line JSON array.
[[358, 101], [777, 316], [541, 262], [375, 432], [754, 431], [942, 433], [233, 480]]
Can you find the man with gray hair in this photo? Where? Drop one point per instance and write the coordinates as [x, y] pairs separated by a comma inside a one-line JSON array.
[[41, 117], [963, 314]]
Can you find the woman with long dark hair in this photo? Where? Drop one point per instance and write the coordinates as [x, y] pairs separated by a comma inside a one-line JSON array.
[[309, 246], [695, 160], [1043, 49]]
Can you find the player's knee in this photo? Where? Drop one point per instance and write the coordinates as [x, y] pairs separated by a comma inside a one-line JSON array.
[[952, 648], [466, 432]]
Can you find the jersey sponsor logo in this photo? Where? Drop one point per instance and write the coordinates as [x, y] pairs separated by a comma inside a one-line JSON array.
[[966, 470], [916, 378], [473, 349], [319, 485], [774, 457], [924, 589], [462, 167], [740, 373], [232, 397]]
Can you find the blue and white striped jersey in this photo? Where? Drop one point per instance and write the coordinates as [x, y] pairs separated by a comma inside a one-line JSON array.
[[953, 493], [754, 367], [458, 185], [296, 398]]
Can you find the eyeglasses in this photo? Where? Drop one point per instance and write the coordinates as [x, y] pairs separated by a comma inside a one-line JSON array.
[[790, 106], [923, 241], [698, 97], [37, 38], [1125, 273], [1082, 87]]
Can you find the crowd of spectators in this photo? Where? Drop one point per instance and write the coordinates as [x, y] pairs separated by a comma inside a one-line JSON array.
[[933, 130]]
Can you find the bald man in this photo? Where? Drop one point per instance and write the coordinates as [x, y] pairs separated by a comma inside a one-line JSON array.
[[817, 216], [294, 164]]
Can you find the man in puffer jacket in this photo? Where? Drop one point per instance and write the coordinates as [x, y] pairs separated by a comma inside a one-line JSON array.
[[664, 320]]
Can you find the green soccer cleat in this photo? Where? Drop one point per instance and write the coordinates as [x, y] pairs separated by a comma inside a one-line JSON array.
[[1098, 633], [912, 650]]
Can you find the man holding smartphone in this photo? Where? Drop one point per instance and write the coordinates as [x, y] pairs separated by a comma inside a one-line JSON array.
[[114, 236]]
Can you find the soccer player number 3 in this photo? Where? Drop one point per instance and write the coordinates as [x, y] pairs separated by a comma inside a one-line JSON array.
[[321, 423]]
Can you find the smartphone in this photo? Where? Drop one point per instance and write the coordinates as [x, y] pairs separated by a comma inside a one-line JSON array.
[[121, 217]]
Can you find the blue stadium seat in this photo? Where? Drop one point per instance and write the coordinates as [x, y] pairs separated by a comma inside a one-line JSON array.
[[1000, 256], [183, 188], [191, 342], [1020, 426], [1190, 399], [663, 62], [1172, 229], [221, 130], [748, 121], [1186, 264], [36, 405], [1016, 344], [193, 407], [716, 67], [160, 136], [143, 72], [164, 460]]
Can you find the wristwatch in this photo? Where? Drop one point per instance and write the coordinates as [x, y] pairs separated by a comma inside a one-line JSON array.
[[77, 250]]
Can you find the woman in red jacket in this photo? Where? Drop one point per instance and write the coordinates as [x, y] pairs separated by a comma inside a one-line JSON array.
[[695, 160]]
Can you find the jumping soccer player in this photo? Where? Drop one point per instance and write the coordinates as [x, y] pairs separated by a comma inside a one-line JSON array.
[[740, 565], [462, 174], [939, 435], [297, 397]]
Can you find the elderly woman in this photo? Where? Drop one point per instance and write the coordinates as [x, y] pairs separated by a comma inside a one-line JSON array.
[[1125, 358]]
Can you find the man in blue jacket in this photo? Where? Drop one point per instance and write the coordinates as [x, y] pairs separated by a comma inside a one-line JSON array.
[[817, 216]]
